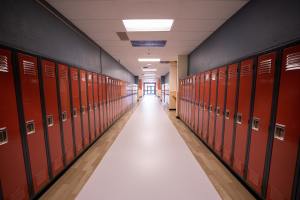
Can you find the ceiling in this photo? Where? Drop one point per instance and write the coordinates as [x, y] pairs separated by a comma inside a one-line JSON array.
[[194, 21]]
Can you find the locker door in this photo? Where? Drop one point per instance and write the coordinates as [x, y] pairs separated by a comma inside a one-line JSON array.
[[286, 135], [230, 112], [261, 119], [180, 99], [196, 102], [83, 109], [101, 103], [220, 109], [201, 95], [10, 137], [243, 116], [212, 106], [206, 106], [91, 105], [96, 104], [30, 90], [192, 103], [52, 115], [75, 83], [105, 79], [65, 108]]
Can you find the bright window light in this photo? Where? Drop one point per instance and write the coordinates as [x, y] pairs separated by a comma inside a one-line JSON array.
[[133, 25], [149, 59], [149, 70]]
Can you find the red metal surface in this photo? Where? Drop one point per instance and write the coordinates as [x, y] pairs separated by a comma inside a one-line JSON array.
[[206, 103], [12, 169], [201, 93], [84, 108], [197, 81], [96, 104], [32, 111], [212, 106], [105, 102], [220, 110], [262, 111], [245, 87], [91, 105], [51, 105], [66, 107], [284, 153], [76, 109], [101, 106], [230, 107]]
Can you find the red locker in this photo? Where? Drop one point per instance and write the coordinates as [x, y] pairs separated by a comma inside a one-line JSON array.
[[84, 108], [206, 105], [230, 111], [13, 179], [220, 110], [108, 97], [286, 134], [180, 99], [193, 102], [212, 106], [76, 109], [96, 104], [243, 116], [52, 115], [196, 103], [261, 119], [201, 96], [91, 105], [101, 103], [104, 78], [30, 89], [66, 112]]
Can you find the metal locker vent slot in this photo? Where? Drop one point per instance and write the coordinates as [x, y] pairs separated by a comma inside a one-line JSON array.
[[30, 127], [64, 116], [239, 118], [75, 76], [3, 136], [63, 74], [265, 66], [74, 112], [232, 73], [222, 75], [50, 71], [279, 131], [3, 63], [255, 124], [29, 68], [293, 61], [218, 110], [245, 70], [50, 120], [227, 114]]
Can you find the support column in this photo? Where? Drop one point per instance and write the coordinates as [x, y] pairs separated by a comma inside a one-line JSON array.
[[182, 69], [172, 85]]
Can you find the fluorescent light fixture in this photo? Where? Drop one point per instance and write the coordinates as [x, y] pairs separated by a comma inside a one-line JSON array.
[[149, 59], [149, 70], [149, 74], [133, 25]]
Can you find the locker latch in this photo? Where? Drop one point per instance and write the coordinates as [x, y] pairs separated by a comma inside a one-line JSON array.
[[74, 112], [227, 114], [210, 108], [50, 120], [218, 110], [239, 118], [95, 107], [3, 136], [279, 131], [204, 106], [64, 116], [82, 109], [255, 123], [90, 107], [30, 127]]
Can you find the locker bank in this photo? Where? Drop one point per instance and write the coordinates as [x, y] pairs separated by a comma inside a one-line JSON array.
[[150, 100]]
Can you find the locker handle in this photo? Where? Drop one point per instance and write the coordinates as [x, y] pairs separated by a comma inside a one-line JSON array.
[[3, 136], [218, 110], [210, 108], [74, 112], [227, 113], [255, 124], [239, 118], [30, 127], [204, 106], [82, 109], [279, 131], [50, 120], [64, 116], [90, 108]]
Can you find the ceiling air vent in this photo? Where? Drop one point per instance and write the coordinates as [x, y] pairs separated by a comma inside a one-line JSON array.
[[148, 43], [123, 36]]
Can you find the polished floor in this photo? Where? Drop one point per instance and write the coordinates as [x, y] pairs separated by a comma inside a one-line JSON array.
[[148, 159]]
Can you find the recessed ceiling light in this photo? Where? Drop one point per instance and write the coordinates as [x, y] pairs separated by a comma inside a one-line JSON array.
[[133, 25], [149, 74], [149, 70], [149, 59]]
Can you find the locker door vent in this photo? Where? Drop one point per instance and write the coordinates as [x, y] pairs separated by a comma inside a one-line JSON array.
[[3, 63], [265, 66], [29, 68], [222, 75], [3, 136], [232, 73], [75, 76], [293, 61], [63, 74], [246, 70], [50, 71]]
